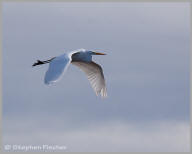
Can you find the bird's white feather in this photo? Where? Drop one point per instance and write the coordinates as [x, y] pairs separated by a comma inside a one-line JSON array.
[[94, 72], [57, 67], [95, 76]]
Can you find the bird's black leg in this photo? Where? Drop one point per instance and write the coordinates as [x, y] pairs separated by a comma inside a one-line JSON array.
[[39, 62]]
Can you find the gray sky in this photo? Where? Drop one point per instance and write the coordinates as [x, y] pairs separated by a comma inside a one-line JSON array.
[[146, 70]]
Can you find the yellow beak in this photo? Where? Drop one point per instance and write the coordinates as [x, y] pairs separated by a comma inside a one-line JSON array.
[[99, 53]]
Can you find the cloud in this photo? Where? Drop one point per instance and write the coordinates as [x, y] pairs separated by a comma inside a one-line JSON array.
[[146, 70], [114, 136]]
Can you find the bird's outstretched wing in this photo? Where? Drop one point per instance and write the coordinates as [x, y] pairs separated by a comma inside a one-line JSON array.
[[95, 75], [57, 67]]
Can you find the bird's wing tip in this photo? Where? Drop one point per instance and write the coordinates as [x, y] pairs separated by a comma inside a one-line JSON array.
[[104, 96], [103, 93], [47, 82]]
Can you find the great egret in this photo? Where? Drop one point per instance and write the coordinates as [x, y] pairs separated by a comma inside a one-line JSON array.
[[82, 59]]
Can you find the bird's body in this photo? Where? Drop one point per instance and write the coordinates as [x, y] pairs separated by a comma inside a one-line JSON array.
[[82, 59]]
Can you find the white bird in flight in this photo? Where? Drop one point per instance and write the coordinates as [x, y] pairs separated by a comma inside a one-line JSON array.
[[82, 59]]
